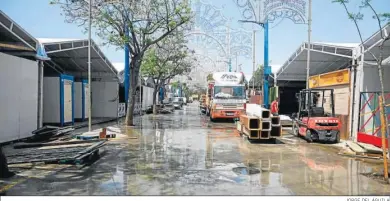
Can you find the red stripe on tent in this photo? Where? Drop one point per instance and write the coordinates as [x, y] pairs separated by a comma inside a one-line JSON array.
[[370, 139]]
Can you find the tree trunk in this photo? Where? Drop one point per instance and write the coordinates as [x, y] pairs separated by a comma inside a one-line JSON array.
[[134, 72], [154, 99], [380, 72]]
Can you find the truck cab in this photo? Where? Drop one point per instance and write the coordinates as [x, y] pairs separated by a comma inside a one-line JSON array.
[[226, 96]]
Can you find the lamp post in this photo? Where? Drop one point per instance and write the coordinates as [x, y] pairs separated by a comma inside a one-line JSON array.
[[295, 11], [308, 45], [89, 61], [89, 67]]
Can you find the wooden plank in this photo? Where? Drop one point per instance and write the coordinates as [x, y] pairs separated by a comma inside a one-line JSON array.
[[245, 131], [344, 130], [355, 147], [370, 148], [239, 126], [347, 150], [358, 156]]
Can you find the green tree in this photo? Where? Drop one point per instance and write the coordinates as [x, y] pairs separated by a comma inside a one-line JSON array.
[[165, 60], [175, 85], [381, 18], [147, 22], [257, 78], [210, 77], [186, 90]]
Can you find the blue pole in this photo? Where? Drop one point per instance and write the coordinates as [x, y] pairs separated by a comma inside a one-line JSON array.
[[267, 68], [127, 69], [161, 94], [230, 65]]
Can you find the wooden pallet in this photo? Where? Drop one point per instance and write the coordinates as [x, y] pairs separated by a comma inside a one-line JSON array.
[[361, 150], [93, 137]]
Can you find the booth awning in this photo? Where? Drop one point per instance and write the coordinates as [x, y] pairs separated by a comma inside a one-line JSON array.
[[371, 46], [15, 40], [71, 56], [324, 57]]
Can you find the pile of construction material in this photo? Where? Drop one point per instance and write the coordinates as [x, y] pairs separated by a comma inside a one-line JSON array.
[[361, 150], [258, 123], [286, 121], [73, 152], [161, 109]]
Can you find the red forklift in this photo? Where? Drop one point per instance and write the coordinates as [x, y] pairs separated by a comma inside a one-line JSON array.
[[311, 121]]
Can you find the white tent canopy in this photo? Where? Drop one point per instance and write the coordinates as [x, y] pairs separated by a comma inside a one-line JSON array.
[[71, 56], [324, 57]]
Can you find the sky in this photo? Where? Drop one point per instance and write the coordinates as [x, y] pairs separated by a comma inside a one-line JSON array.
[[329, 24]]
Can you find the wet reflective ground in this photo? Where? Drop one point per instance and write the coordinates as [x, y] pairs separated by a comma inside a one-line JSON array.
[[185, 154]]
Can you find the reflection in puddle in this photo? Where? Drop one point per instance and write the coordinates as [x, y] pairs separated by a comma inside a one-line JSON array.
[[167, 158], [246, 170]]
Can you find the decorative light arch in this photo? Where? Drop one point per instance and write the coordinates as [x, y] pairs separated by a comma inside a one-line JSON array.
[[209, 36]]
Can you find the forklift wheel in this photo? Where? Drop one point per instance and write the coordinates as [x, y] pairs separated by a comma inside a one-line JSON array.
[[308, 136], [337, 138], [295, 129]]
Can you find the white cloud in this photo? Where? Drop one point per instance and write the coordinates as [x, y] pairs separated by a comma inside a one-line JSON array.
[[275, 68], [248, 77], [119, 66]]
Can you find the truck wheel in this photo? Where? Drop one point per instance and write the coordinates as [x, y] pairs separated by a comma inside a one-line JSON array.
[[308, 136], [211, 118]]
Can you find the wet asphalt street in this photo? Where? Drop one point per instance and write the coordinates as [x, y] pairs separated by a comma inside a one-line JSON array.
[[185, 154]]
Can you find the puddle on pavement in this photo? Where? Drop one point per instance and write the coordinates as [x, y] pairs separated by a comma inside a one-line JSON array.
[[199, 161], [246, 170], [267, 141]]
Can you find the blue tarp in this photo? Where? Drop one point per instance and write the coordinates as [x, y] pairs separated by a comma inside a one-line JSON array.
[[41, 53]]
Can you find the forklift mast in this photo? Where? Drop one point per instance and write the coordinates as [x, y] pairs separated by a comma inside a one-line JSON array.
[[314, 99]]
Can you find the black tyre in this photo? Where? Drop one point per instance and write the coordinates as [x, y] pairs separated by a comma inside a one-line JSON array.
[[211, 118], [295, 129], [337, 140], [309, 136]]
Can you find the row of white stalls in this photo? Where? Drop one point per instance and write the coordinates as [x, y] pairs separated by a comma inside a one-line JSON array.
[[19, 86], [352, 72], [36, 91], [144, 95], [66, 88], [66, 100]]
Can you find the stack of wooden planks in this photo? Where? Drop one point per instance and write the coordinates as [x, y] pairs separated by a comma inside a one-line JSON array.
[[362, 150]]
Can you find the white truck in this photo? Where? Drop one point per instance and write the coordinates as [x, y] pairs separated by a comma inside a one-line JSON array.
[[227, 95]]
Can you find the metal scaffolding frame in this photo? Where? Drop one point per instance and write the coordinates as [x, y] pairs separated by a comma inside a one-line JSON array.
[[362, 57]]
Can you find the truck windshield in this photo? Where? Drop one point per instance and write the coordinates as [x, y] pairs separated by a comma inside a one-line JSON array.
[[224, 92]]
